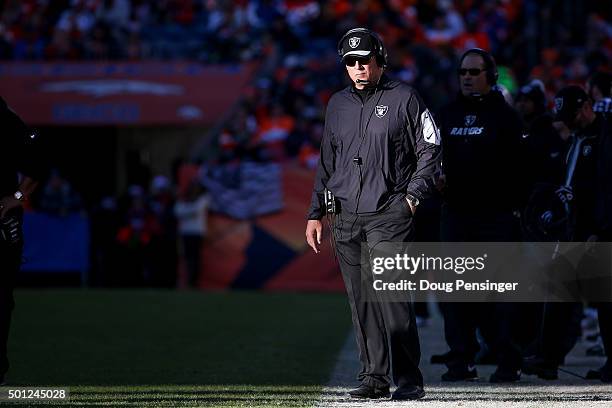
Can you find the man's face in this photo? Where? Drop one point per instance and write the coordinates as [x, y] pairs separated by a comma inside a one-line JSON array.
[[472, 76], [524, 106], [362, 69], [584, 117]]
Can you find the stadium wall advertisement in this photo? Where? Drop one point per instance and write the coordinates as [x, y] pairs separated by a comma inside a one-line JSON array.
[[123, 93]]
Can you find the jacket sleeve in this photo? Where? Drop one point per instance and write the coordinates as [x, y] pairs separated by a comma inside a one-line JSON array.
[[325, 169], [25, 143], [517, 177], [425, 137]]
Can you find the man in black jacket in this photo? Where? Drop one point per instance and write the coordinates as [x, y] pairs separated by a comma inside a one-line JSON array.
[[379, 156], [19, 170], [481, 144], [591, 204]]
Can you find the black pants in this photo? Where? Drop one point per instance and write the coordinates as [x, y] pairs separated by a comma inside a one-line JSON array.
[[561, 323], [498, 322], [604, 315], [10, 262], [386, 332], [560, 332]]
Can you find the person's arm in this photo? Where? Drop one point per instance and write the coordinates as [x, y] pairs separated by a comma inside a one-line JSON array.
[[25, 189], [26, 150], [325, 169], [516, 176], [426, 142]]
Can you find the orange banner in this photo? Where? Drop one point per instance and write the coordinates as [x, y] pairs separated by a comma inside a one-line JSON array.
[[125, 93]]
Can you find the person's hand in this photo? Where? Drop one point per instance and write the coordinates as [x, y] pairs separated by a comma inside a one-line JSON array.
[[7, 203], [412, 207], [314, 229], [547, 217], [562, 129]]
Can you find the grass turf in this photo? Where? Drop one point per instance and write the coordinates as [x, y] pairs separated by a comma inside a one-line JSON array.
[[168, 348]]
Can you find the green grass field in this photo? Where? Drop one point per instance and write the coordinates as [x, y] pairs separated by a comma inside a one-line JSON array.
[[169, 348]]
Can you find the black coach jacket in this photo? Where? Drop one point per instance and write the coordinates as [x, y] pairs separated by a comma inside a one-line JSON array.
[[20, 151], [375, 152], [483, 159]]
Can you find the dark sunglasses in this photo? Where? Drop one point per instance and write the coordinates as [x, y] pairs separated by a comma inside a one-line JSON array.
[[471, 71], [351, 60]]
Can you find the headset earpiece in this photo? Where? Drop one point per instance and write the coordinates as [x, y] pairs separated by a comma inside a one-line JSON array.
[[381, 51]]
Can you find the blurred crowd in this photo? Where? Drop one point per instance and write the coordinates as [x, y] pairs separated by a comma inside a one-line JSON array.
[[281, 114], [295, 43], [137, 239]]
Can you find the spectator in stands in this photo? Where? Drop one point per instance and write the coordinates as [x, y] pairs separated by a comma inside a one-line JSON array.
[[134, 238], [58, 197]]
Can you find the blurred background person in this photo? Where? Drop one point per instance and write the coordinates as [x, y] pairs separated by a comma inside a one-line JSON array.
[[481, 135], [591, 208], [58, 197], [598, 88], [191, 212]]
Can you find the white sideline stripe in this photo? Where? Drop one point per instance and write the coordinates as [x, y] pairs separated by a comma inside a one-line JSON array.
[[343, 376], [530, 392]]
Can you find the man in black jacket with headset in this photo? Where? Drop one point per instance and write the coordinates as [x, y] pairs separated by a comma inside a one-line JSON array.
[[379, 155], [19, 169], [481, 136], [590, 200]]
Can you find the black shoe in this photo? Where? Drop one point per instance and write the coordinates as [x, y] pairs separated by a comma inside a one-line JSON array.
[[602, 374], [367, 391], [408, 392], [505, 376], [593, 375], [457, 374], [539, 368]]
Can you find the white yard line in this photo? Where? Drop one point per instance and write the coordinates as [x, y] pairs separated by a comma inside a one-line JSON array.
[[567, 392]]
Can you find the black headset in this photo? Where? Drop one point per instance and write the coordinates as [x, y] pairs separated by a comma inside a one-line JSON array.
[[381, 51], [490, 66]]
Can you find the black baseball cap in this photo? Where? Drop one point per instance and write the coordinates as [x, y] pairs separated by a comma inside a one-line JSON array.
[[567, 103], [533, 91], [359, 44]]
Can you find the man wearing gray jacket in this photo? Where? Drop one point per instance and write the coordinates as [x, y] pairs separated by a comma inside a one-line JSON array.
[[380, 154]]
